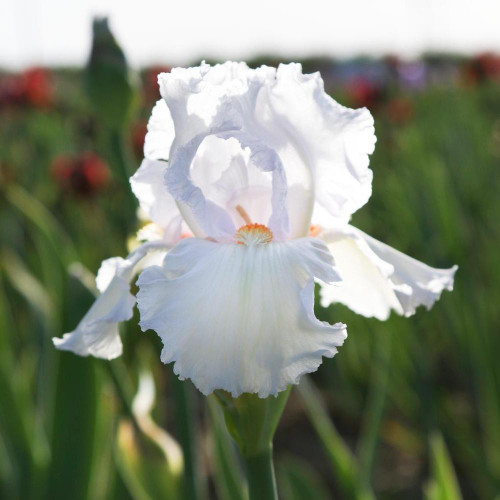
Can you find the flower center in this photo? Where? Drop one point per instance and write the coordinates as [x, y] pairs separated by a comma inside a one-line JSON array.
[[253, 234], [314, 230]]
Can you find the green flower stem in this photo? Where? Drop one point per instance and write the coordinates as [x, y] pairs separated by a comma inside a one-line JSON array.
[[251, 421], [120, 161], [260, 475]]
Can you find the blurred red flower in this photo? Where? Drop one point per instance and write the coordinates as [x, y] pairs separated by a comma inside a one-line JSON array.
[[151, 90], [11, 91], [83, 175], [483, 67], [37, 86], [33, 87], [400, 110], [362, 93], [138, 135]]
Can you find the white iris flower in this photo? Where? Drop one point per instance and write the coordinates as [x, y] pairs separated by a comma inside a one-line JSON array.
[[263, 169]]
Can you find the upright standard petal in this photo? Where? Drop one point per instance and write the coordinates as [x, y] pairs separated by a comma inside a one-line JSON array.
[[219, 102], [97, 333], [377, 278], [239, 317], [333, 142], [289, 125]]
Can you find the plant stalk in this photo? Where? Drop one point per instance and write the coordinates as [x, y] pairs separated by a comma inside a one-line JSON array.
[[260, 475], [251, 421], [186, 431]]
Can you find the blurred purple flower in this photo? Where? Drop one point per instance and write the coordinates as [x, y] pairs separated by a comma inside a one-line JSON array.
[[413, 74]]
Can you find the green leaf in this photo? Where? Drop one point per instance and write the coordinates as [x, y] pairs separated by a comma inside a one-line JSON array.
[[149, 459], [443, 484], [300, 481], [27, 285], [229, 479], [374, 410], [75, 410], [143, 465], [193, 486], [74, 429], [17, 431], [44, 221], [341, 458]]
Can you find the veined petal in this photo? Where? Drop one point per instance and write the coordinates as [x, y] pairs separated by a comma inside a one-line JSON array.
[[97, 333], [377, 278], [334, 142], [237, 317]]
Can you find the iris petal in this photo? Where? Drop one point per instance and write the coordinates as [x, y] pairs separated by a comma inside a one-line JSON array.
[[97, 333], [156, 202], [237, 317], [377, 278], [160, 133], [310, 143]]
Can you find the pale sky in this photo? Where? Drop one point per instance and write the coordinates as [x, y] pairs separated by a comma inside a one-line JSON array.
[[57, 32]]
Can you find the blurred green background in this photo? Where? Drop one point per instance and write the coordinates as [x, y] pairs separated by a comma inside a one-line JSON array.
[[409, 408]]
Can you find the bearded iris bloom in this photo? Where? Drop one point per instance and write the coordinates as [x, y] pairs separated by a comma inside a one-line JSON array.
[[250, 179]]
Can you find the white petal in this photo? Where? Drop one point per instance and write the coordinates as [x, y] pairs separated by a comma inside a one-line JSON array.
[[211, 217], [149, 188], [229, 178], [299, 210], [73, 342], [333, 141], [291, 127], [97, 333], [219, 102], [150, 232], [108, 270], [160, 133], [267, 159], [377, 278], [240, 318]]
